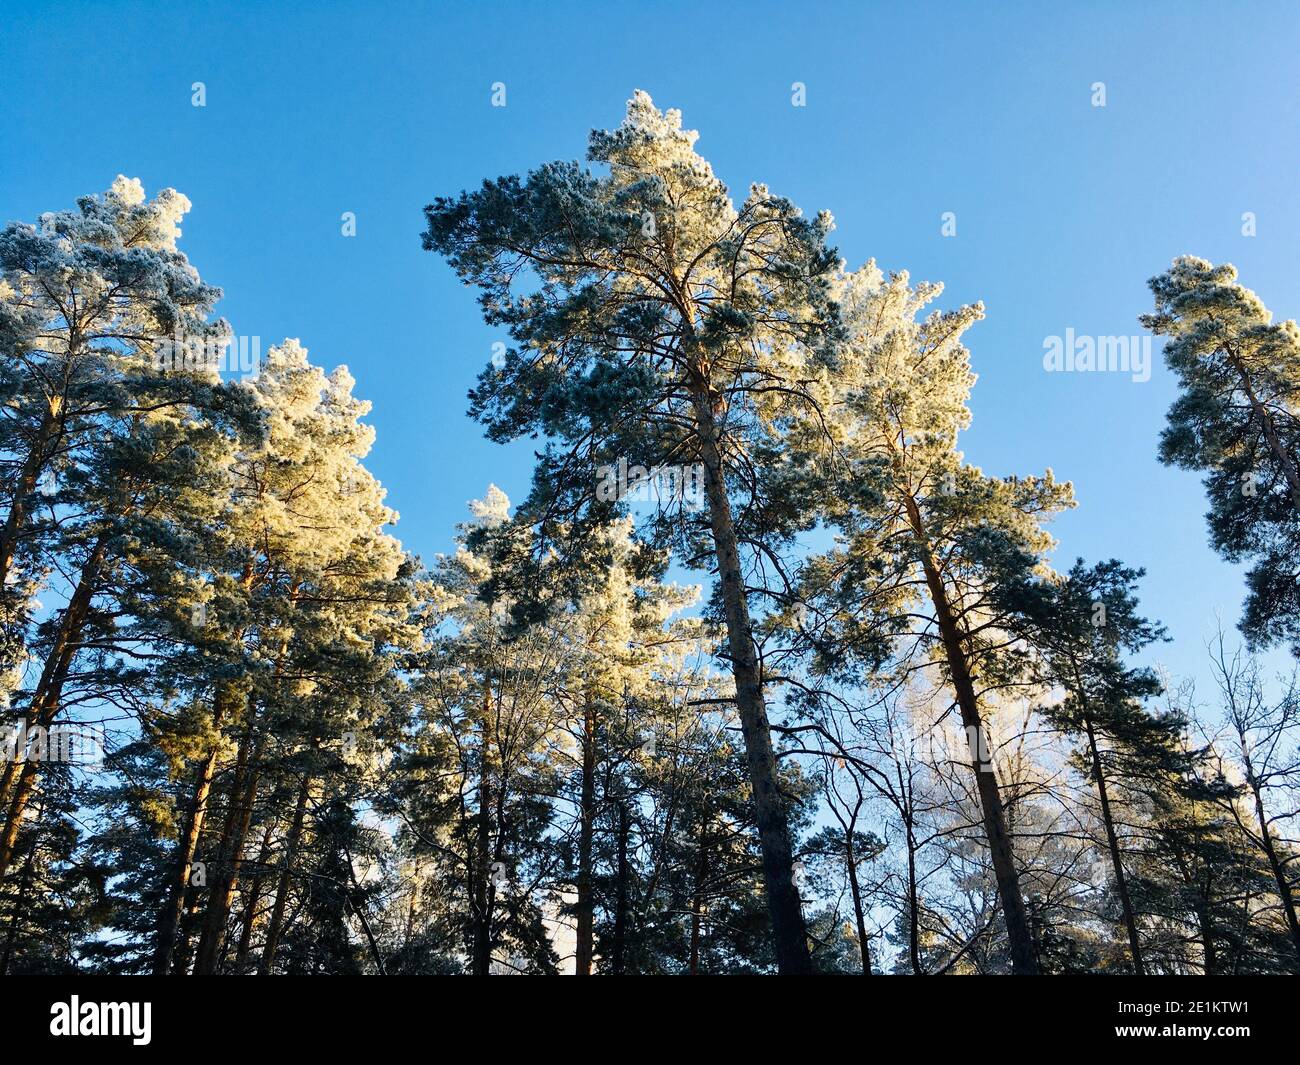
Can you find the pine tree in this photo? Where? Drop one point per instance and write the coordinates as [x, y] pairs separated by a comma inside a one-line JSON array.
[[473, 789], [90, 301], [1203, 879], [924, 531], [666, 328], [305, 609], [1237, 418], [1083, 624], [622, 651], [1263, 733]]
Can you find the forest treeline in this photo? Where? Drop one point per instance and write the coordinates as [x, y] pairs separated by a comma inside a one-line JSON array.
[[885, 736]]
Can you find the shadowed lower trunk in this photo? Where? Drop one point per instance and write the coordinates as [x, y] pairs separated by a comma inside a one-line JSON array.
[[697, 898], [275, 926], [249, 919], [19, 779], [1209, 946], [190, 918], [913, 904], [238, 817], [1261, 411], [1269, 847], [187, 847], [583, 949], [859, 916], [481, 959], [1112, 842], [784, 906], [622, 902], [1020, 939], [19, 912], [17, 519]]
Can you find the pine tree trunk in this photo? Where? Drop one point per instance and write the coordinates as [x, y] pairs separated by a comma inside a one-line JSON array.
[[697, 898], [1208, 946], [587, 816], [1020, 939], [20, 906], [784, 906], [860, 919], [618, 952], [1112, 841], [228, 829], [1265, 416], [695, 933], [187, 847], [239, 817], [16, 521], [185, 934], [276, 925], [46, 698], [249, 919], [10, 771], [1269, 847], [913, 905], [482, 950], [235, 832]]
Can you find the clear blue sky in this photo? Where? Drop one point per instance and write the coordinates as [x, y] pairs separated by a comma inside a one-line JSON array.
[[1063, 209]]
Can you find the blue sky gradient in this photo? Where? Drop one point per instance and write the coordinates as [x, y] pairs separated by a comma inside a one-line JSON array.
[[1063, 209]]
